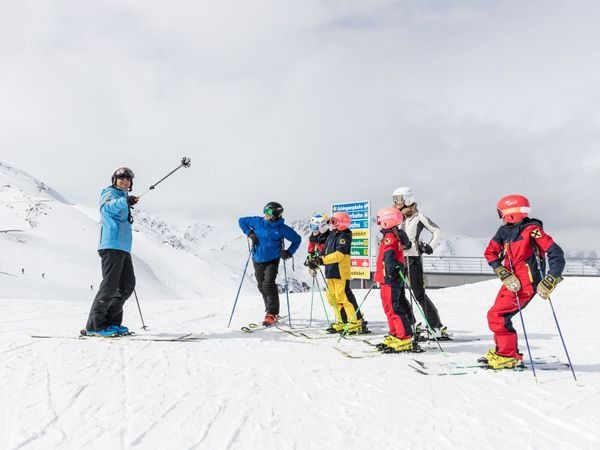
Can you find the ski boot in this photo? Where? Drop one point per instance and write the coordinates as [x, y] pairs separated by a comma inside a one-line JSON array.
[[336, 327], [106, 333], [270, 320], [398, 345], [492, 360], [120, 330], [357, 327], [489, 355], [441, 334], [386, 342]]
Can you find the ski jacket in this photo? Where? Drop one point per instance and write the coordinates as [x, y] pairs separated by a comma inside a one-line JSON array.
[[390, 259], [115, 232], [413, 226], [523, 247], [316, 243], [270, 236], [336, 256]]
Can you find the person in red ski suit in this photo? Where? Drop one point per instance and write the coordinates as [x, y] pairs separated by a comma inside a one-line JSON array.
[[390, 263], [517, 254]]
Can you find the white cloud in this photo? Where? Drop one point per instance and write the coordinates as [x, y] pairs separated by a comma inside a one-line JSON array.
[[309, 102]]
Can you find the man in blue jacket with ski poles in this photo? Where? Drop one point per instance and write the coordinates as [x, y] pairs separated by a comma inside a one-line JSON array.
[[267, 235], [118, 278]]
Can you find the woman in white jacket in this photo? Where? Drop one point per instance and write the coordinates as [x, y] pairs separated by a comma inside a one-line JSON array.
[[413, 224]]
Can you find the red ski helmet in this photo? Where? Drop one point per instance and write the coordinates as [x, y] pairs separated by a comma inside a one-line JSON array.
[[340, 221], [513, 208], [388, 217]]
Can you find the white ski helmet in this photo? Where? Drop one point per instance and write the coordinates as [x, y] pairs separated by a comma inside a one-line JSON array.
[[319, 222], [404, 194]]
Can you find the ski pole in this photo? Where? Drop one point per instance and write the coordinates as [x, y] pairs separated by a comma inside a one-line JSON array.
[[240, 288], [287, 296], [354, 315], [523, 323], [412, 295], [185, 162], [563, 341], [335, 308], [322, 301], [556, 321], [140, 310], [312, 297]]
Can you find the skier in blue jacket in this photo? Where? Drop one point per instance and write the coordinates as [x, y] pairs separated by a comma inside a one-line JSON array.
[[118, 278], [267, 235]]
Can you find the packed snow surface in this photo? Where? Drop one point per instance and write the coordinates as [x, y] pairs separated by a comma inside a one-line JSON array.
[[273, 390]]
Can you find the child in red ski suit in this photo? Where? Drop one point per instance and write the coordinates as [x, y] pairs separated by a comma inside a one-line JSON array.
[[523, 244], [390, 262]]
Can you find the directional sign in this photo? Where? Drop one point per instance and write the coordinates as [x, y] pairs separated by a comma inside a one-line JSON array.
[[360, 213]]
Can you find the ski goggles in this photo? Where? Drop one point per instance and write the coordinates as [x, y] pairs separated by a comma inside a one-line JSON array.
[[268, 212], [514, 210], [398, 199]]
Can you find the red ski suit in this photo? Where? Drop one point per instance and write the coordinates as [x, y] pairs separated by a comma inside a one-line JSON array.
[[390, 261], [523, 246]]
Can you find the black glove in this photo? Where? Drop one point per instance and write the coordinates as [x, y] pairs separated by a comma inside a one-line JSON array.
[[315, 262], [425, 248], [253, 238], [285, 255], [132, 200]]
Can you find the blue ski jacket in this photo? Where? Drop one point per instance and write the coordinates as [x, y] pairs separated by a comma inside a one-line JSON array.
[[270, 236], [115, 233]]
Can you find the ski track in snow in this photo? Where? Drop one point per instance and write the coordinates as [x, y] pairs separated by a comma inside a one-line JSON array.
[[270, 389]]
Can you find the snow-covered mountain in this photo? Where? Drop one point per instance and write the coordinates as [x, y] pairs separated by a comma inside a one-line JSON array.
[[48, 250]]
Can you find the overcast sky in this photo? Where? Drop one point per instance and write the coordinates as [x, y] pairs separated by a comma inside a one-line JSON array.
[[309, 102]]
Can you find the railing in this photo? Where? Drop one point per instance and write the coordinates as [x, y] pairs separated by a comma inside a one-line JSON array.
[[479, 266]]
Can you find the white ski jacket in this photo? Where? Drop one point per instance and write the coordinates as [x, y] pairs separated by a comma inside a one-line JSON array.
[[413, 227]]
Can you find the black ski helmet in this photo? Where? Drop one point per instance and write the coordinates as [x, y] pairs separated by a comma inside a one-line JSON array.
[[273, 209], [123, 172]]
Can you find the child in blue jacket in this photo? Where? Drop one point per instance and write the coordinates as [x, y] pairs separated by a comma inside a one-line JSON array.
[[267, 235]]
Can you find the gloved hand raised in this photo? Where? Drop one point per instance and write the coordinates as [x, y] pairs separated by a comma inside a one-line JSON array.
[[425, 248], [253, 238], [285, 255], [509, 279], [547, 285], [132, 200]]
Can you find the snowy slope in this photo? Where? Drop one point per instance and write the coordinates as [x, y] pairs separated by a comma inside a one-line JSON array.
[[272, 390], [44, 234]]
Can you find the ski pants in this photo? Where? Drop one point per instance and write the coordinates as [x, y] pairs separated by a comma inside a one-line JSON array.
[[338, 299], [501, 314], [417, 284], [266, 274], [118, 283], [397, 310]]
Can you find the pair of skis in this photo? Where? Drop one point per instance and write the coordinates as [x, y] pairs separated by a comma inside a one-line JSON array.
[[187, 337], [451, 369]]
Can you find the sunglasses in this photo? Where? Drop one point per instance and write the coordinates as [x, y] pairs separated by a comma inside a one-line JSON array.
[[124, 177]]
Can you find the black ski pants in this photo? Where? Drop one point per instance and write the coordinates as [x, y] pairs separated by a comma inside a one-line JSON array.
[[266, 274], [417, 284], [118, 282]]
